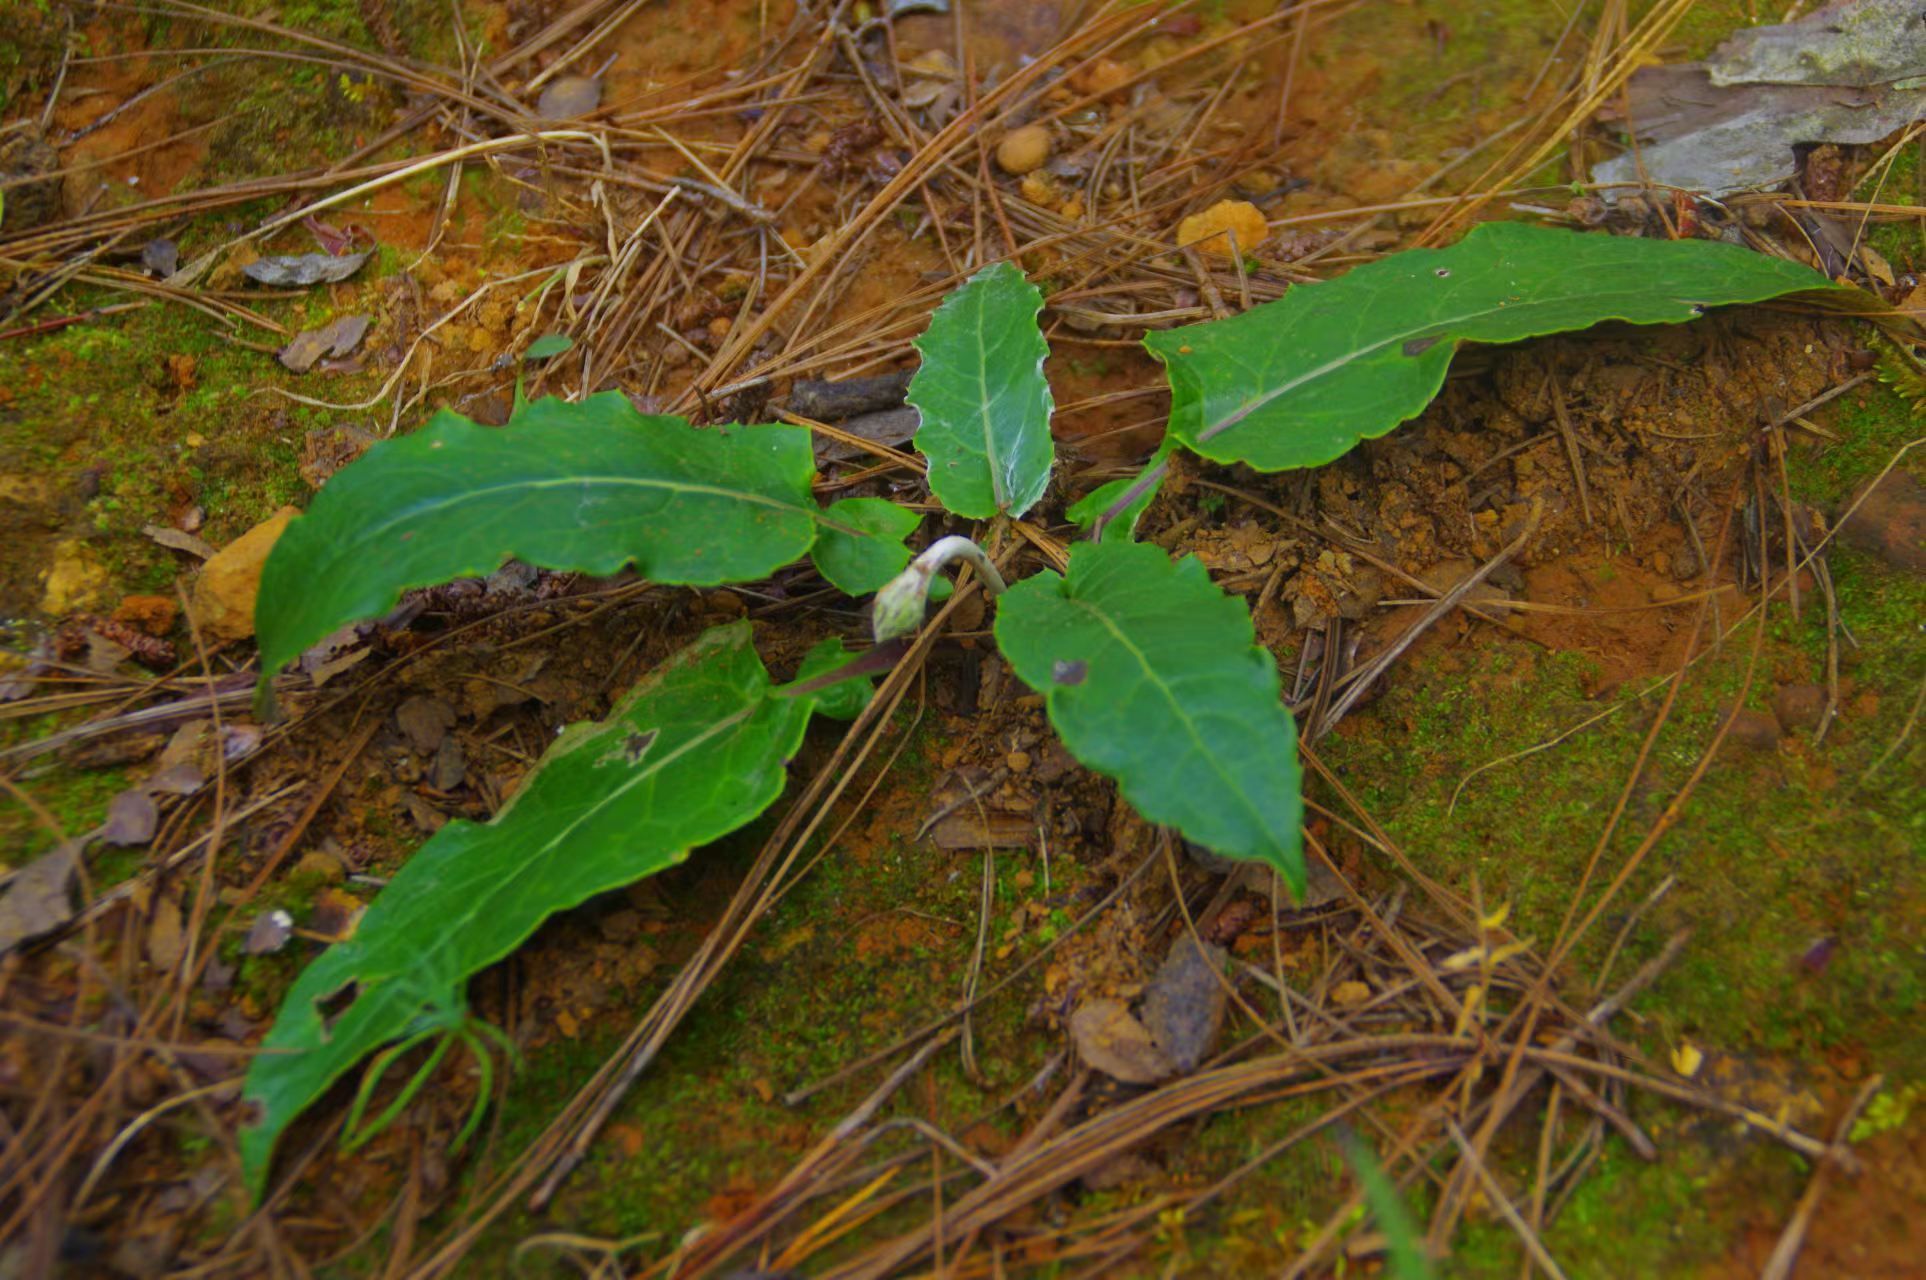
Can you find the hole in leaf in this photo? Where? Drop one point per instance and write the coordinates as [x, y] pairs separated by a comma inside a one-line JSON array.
[[332, 1006], [1062, 672], [1442, 272], [1418, 346], [637, 745]]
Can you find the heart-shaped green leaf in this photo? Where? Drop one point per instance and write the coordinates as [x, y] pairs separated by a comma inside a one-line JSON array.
[[984, 402], [857, 565], [1152, 676], [1298, 382], [693, 752]]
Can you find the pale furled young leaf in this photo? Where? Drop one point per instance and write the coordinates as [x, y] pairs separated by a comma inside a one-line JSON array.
[[984, 403]]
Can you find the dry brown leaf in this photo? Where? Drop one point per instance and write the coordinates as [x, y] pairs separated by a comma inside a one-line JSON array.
[[166, 938], [1115, 1043], [38, 898]]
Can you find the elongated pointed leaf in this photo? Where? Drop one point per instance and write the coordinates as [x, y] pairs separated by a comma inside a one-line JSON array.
[[981, 392], [1299, 381], [548, 345], [1152, 677], [589, 486], [693, 752]]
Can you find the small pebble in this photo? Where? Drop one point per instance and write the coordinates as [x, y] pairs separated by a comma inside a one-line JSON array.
[[1346, 994], [1105, 75], [1023, 149], [1886, 517], [270, 933], [619, 926], [1757, 730], [1019, 761], [324, 867], [1799, 706], [568, 97]]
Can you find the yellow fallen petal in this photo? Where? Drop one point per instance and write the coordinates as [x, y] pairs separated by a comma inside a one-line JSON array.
[[1687, 1059]]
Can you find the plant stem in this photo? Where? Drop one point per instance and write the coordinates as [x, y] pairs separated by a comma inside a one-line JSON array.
[[958, 547], [1150, 478]]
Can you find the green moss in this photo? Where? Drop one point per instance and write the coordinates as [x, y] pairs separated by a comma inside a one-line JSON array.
[[1871, 424], [77, 799], [29, 43], [825, 979], [1902, 241], [1709, 22], [169, 414], [1628, 1218], [1426, 92], [1776, 851]]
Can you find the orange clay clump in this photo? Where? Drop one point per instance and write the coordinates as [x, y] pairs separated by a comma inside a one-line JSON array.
[[1211, 230]]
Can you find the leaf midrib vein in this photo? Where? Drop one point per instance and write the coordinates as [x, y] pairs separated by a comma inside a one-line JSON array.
[[439, 505], [1183, 716], [999, 490], [442, 943], [1359, 353]]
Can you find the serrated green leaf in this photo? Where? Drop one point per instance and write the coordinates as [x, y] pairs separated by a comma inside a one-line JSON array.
[[1298, 382], [693, 752], [1152, 676], [858, 565], [984, 402], [588, 486], [548, 346]]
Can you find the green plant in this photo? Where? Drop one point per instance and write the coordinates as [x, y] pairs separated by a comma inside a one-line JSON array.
[[1150, 674], [1404, 1242], [1887, 1111]]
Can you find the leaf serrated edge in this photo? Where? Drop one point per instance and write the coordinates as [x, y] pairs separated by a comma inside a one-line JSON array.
[[1164, 344], [1285, 852], [997, 274], [320, 978], [446, 430]]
